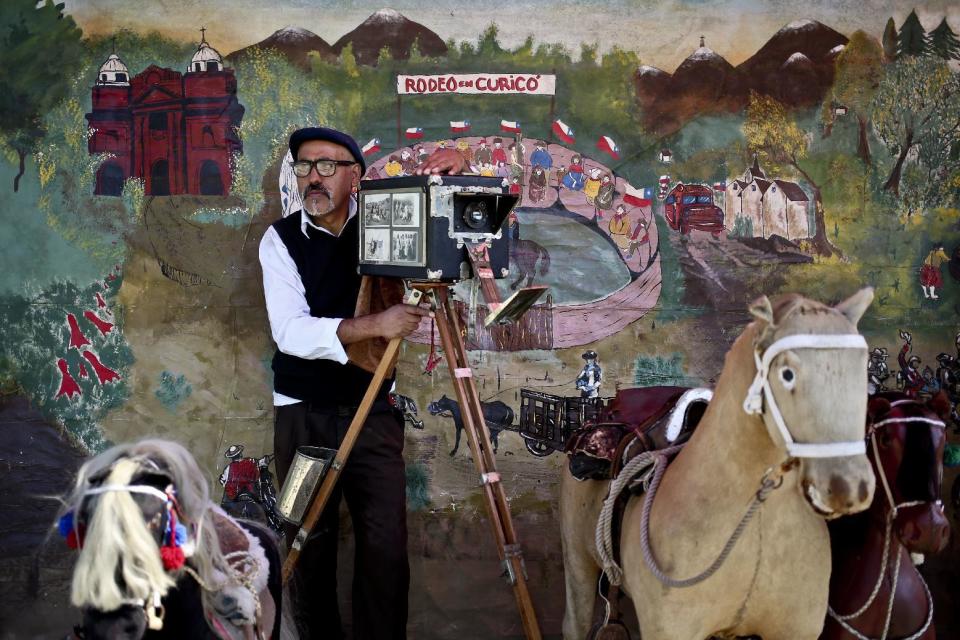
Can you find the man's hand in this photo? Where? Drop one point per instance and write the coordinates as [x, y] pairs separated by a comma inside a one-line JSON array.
[[400, 320], [448, 161]]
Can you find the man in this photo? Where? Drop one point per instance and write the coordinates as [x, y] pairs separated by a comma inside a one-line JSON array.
[[909, 378], [640, 235], [620, 229], [591, 376], [499, 155], [538, 183], [484, 155], [311, 286], [930, 275], [540, 156], [877, 371]]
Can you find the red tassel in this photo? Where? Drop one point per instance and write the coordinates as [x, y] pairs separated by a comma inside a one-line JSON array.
[[172, 557], [74, 539]]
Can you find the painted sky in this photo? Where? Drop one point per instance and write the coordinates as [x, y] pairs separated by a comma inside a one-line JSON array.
[[663, 32]]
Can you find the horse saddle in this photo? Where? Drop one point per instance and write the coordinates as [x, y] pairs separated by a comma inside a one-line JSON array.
[[637, 420]]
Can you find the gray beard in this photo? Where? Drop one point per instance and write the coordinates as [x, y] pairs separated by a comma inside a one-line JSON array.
[[313, 208]]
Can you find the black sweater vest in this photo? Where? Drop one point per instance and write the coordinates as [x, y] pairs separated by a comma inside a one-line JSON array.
[[328, 270]]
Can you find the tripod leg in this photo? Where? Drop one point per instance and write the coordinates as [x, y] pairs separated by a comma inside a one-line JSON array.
[[333, 473], [478, 437]]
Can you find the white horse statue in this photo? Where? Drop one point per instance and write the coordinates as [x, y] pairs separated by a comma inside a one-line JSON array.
[[157, 556], [735, 535]]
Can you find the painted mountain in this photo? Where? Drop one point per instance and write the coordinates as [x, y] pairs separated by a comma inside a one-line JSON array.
[[795, 66], [388, 28], [779, 69], [293, 42]]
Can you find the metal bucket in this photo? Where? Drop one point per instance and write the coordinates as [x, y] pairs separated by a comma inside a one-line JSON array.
[[309, 466]]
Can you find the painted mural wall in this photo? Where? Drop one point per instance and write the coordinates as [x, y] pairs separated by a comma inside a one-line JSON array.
[[674, 161]]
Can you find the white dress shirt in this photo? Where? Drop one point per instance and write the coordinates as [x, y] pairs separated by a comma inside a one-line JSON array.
[[294, 330]]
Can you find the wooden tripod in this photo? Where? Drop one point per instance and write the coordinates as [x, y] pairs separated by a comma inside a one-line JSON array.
[[478, 436], [508, 546]]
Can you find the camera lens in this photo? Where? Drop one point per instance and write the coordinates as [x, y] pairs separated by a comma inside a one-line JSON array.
[[475, 214]]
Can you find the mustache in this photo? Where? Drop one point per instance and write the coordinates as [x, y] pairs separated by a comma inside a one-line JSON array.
[[316, 188]]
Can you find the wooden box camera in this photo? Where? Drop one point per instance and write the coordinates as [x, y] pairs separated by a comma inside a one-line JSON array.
[[418, 227]]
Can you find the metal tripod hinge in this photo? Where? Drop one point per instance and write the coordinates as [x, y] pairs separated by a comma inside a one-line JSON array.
[[301, 539], [511, 551]]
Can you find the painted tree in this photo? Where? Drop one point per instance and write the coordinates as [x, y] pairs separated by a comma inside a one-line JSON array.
[[944, 43], [40, 50], [890, 43], [912, 39], [859, 69], [917, 103], [778, 140], [278, 98]]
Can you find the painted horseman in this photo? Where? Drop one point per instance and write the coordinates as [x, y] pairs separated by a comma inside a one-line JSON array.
[[591, 376]]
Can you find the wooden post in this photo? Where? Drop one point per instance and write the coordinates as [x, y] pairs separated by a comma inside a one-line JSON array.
[[553, 101], [399, 126]]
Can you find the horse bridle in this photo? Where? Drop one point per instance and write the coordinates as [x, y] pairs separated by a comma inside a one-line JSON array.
[[872, 436], [843, 620], [761, 395], [153, 609]]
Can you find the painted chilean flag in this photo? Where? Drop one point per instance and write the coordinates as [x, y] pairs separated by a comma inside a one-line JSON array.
[[414, 133], [510, 126], [719, 186], [606, 143], [638, 197], [459, 126], [371, 147], [563, 131]]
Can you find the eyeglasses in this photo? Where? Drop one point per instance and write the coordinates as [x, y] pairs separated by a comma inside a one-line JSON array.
[[325, 167]]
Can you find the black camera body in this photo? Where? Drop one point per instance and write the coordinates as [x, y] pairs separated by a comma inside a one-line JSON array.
[[419, 227]]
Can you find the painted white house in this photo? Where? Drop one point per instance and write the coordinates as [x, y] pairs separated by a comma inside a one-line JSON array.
[[760, 207]]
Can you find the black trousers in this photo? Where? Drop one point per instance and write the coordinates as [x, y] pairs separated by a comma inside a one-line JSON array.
[[374, 484]]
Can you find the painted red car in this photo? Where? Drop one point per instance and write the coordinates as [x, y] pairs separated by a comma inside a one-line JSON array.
[[690, 206]]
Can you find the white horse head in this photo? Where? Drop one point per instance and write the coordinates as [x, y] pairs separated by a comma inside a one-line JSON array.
[[124, 512], [810, 362]]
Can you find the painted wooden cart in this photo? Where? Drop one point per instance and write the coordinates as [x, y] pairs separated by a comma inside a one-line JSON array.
[[546, 420]]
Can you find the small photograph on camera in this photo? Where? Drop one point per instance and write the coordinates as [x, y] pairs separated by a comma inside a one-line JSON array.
[[376, 244], [406, 209], [377, 210], [406, 245]]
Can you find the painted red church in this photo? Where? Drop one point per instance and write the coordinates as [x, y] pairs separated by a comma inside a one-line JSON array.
[[175, 130]]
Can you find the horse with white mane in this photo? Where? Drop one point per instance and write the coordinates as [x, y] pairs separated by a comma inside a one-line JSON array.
[[779, 450], [158, 558]]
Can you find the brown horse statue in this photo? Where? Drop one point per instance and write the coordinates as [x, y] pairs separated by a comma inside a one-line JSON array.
[[875, 589], [744, 504]]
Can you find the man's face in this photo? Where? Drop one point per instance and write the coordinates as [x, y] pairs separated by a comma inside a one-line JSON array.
[[324, 194]]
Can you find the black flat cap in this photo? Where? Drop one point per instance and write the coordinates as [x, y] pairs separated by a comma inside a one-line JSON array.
[[300, 136]]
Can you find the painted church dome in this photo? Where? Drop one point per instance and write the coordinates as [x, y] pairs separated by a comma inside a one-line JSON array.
[[206, 58], [113, 72]]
